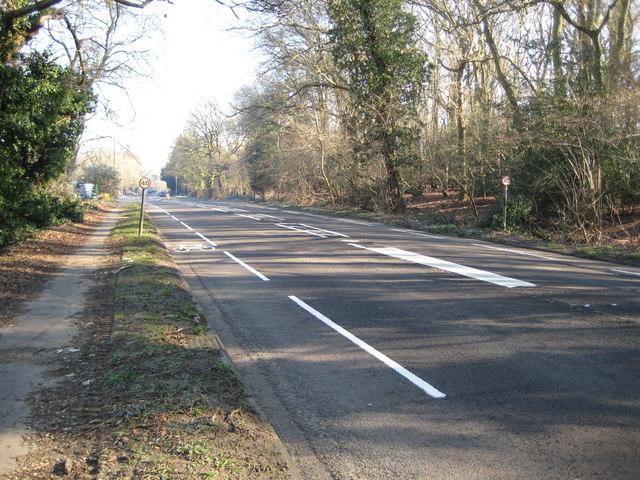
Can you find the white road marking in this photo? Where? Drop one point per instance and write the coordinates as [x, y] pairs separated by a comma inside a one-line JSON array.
[[416, 233], [291, 227], [514, 251], [162, 210], [175, 218], [213, 244], [227, 209], [305, 213], [186, 226], [252, 217], [626, 272], [417, 381], [353, 221], [448, 266], [193, 246], [251, 269], [323, 230], [260, 217]]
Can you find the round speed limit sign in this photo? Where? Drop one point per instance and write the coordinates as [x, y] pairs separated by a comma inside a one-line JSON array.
[[506, 180], [144, 183]]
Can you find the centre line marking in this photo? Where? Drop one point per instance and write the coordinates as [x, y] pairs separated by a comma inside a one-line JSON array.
[[448, 266], [417, 381], [251, 269]]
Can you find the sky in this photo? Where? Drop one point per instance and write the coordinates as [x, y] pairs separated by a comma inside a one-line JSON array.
[[196, 60]]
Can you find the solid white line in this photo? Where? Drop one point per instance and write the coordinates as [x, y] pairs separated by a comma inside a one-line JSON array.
[[175, 218], [417, 381], [513, 251], [626, 271], [416, 233], [448, 266], [251, 269], [207, 240], [323, 230], [186, 226]]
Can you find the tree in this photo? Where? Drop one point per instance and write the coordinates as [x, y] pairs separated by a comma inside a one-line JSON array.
[[104, 177], [22, 20], [374, 43], [41, 117]]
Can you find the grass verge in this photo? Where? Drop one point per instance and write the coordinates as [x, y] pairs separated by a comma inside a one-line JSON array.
[[182, 410]]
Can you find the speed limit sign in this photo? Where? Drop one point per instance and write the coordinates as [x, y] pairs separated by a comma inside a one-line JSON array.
[[144, 183], [506, 180]]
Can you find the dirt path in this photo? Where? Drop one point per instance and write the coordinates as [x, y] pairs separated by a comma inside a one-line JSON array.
[[32, 340]]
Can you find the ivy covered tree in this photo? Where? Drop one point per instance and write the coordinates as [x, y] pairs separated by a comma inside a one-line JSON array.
[[375, 45]]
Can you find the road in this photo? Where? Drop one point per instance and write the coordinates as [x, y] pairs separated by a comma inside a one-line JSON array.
[[379, 352]]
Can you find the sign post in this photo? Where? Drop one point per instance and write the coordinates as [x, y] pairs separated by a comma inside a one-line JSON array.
[[144, 184], [506, 181]]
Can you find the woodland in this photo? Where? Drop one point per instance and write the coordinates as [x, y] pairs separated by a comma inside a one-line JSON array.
[[365, 103]]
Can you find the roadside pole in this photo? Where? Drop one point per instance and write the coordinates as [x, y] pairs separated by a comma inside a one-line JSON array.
[[144, 184], [506, 181]]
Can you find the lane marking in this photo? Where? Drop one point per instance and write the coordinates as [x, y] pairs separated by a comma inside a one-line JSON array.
[[626, 272], [416, 233], [448, 266], [213, 244], [417, 381], [305, 213], [291, 227], [186, 226], [161, 209], [227, 209], [251, 269], [323, 230], [514, 251], [353, 221], [260, 216], [175, 218]]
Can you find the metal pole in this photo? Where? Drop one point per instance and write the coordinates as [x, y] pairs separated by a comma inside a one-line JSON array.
[[506, 188], [144, 191]]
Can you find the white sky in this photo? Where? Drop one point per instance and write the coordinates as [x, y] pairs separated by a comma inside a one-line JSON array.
[[197, 60]]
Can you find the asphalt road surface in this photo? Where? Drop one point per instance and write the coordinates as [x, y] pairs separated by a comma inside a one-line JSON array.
[[379, 352]]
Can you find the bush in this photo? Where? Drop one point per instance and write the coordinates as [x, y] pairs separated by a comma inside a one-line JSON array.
[[36, 210], [518, 213]]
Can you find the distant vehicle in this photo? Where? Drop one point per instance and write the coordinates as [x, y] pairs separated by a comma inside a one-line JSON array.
[[87, 190], [162, 194]]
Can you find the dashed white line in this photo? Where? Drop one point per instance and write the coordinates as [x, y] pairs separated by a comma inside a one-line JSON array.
[[417, 381], [213, 244], [448, 266], [251, 269], [186, 226]]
